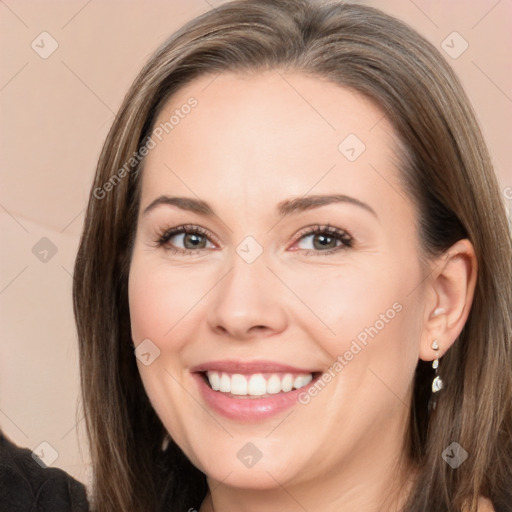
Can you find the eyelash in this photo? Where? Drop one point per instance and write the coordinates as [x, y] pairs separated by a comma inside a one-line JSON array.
[[341, 235]]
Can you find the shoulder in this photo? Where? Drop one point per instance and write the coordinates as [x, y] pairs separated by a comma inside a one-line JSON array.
[[485, 505], [27, 485]]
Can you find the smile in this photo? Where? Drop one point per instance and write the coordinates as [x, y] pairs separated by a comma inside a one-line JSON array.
[[258, 384], [251, 391]]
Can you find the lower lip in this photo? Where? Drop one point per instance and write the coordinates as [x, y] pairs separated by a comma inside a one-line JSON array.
[[248, 408]]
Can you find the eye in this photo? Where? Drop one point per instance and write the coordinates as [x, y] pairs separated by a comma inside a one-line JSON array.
[[322, 240], [325, 240], [191, 237]]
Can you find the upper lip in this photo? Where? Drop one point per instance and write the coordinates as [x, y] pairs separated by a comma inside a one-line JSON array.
[[248, 367]]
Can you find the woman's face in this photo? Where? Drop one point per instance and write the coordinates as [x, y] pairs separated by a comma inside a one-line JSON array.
[[256, 302]]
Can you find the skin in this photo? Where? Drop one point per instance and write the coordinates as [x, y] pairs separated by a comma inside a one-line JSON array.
[[251, 142]]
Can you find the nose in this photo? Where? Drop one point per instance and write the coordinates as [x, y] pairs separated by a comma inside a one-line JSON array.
[[247, 302]]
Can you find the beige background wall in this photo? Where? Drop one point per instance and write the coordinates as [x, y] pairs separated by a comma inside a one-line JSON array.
[[55, 114]]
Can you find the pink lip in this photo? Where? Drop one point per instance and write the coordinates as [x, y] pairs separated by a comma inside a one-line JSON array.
[[246, 409], [248, 367]]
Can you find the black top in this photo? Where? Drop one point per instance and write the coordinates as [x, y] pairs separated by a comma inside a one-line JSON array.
[[25, 486]]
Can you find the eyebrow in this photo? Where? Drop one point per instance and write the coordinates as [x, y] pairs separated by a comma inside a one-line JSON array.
[[286, 207]]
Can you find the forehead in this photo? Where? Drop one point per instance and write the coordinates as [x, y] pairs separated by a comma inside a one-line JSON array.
[[274, 133]]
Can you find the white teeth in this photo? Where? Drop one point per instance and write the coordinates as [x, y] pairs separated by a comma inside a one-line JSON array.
[[301, 381], [215, 381], [287, 383], [256, 384], [274, 385], [225, 383], [238, 384]]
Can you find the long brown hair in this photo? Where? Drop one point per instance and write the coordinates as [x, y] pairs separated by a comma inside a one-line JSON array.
[[448, 174]]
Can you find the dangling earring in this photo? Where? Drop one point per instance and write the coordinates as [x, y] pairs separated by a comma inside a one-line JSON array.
[[437, 383]]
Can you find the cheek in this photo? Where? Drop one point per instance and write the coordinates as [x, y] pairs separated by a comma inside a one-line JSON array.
[[160, 298], [349, 298], [150, 306], [367, 319]]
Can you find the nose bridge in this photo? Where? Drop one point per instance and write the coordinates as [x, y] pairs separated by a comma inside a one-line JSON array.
[[246, 298]]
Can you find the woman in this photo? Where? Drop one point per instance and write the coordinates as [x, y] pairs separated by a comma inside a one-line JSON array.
[[296, 229]]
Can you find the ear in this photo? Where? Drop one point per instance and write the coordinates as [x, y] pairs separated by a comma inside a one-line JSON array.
[[450, 291]]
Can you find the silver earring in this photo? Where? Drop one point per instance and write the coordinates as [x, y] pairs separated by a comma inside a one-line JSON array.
[[437, 383]]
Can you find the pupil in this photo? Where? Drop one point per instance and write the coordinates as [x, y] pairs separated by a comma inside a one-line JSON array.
[[195, 238], [323, 237]]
